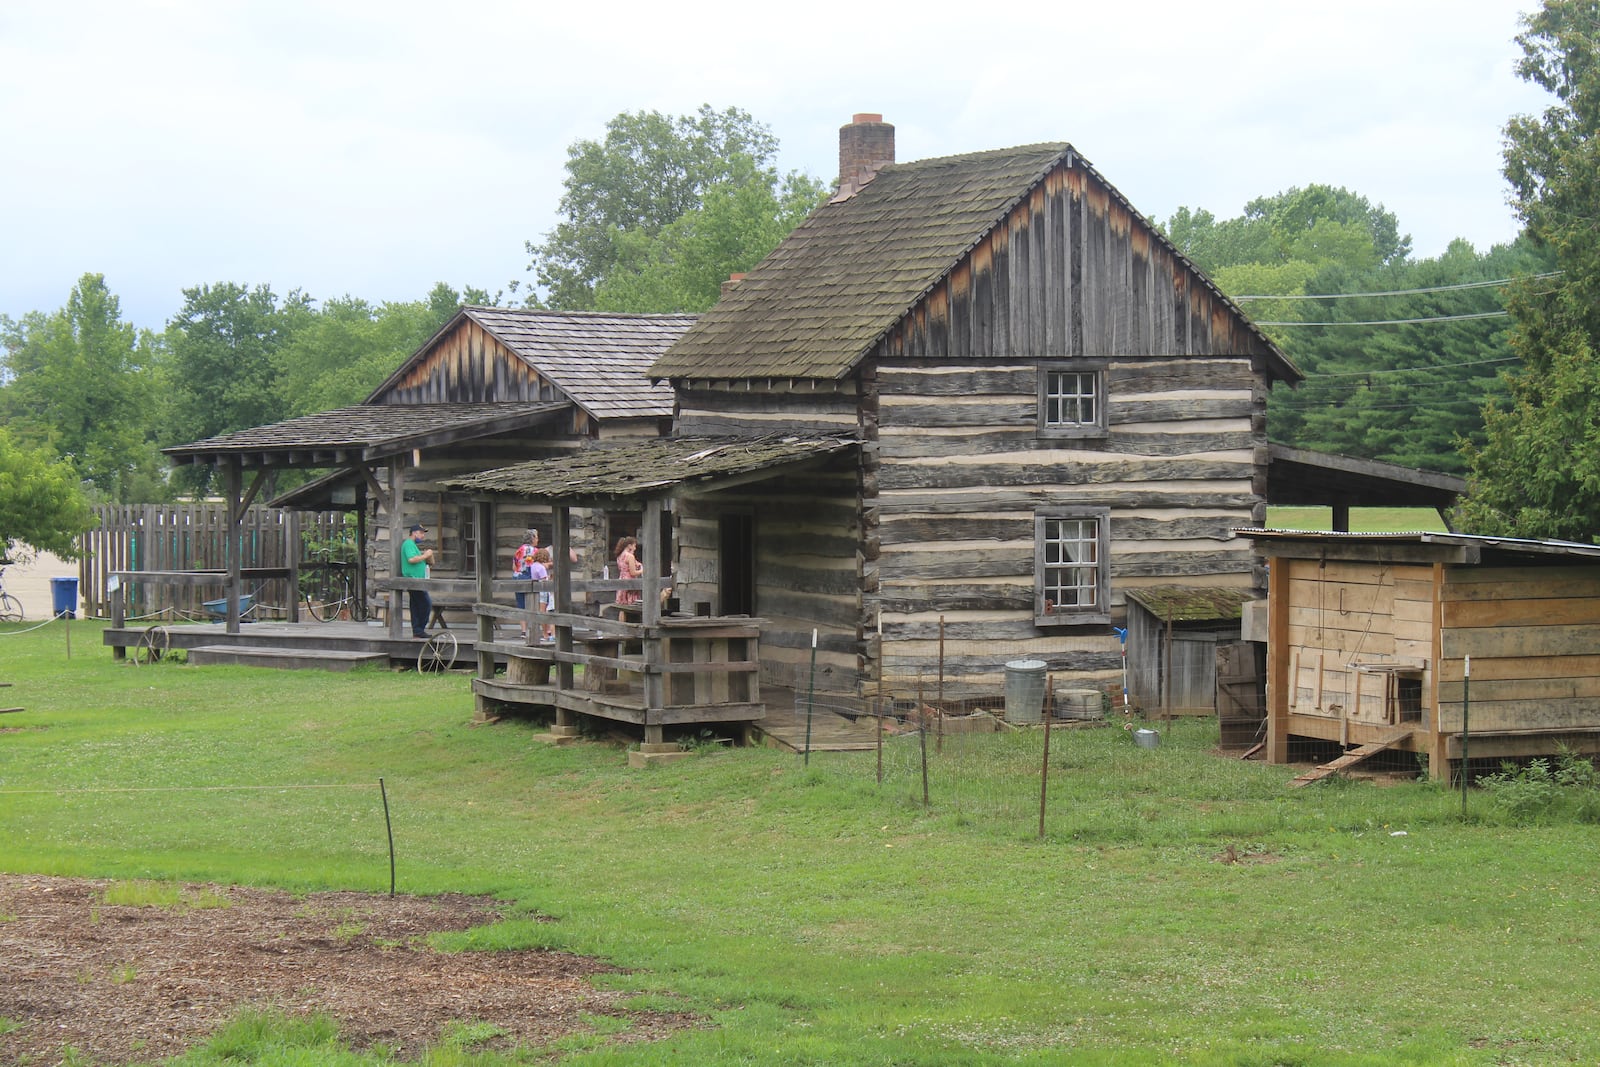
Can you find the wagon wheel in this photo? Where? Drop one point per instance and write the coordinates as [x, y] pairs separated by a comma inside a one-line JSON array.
[[438, 652], [153, 644]]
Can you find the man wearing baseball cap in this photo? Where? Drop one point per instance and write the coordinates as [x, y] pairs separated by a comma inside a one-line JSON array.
[[414, 560]]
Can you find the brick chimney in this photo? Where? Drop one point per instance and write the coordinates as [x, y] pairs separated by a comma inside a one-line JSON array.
[[865, 145]]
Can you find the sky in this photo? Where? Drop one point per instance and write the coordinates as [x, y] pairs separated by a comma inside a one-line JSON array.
[[372, 149]]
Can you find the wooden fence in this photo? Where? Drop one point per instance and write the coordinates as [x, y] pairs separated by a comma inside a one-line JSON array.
[[190, 537]]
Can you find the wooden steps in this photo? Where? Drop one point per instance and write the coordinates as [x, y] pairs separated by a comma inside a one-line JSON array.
[[1353, 757], [287, 658]]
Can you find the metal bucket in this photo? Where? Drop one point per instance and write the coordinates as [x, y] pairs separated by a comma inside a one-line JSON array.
[[1146, 738], [1025, 682], [1078, 704]]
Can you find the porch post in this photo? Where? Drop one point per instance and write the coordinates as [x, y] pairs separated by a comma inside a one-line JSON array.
[[233, 478], [1278, 681], [650, 618], [486, 534], [291, 559], [397, 526], [561, 563], [361, 551]]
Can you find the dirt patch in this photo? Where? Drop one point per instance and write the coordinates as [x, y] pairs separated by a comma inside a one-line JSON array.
[[119, 982]]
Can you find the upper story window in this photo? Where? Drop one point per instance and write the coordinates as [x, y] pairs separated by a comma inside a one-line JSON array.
[[1072, 400], [1071, 566]]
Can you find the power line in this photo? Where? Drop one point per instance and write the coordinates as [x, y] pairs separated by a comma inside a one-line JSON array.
[[1398, 292], [1397, 322], [1317, 375]]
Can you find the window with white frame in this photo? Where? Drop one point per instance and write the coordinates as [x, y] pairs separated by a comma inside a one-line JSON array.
[[1072, 400], [1071, 566]]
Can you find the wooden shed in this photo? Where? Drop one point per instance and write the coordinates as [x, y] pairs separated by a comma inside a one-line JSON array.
[[1370, 635]]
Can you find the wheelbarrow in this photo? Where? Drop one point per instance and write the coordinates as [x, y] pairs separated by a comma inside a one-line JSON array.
[[218, 609]]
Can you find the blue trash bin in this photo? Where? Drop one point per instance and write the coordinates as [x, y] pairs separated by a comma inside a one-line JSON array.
[[64, 597]]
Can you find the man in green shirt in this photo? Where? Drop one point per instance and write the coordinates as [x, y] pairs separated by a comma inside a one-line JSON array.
[[414, 560]]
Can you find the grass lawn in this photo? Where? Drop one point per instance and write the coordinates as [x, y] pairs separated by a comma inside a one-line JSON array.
[[1180, 908], [1362, 520]]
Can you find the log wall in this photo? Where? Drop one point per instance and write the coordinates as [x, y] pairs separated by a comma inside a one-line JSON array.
[[808, 571], [963, 470]]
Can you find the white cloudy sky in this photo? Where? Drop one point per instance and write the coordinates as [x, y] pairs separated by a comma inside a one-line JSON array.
[[374, 148]]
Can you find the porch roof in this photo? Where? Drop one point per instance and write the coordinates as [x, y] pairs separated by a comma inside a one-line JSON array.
[[652, 468], [1417, 546], [363, 433]]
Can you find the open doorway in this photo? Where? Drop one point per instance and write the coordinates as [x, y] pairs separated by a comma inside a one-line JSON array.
[[736, 563]]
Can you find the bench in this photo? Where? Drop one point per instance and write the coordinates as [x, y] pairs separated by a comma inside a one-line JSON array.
[[436, 619]]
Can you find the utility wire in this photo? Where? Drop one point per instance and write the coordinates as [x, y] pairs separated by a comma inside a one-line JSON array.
[[1396, 322], [1398, 292], [1318, 375]]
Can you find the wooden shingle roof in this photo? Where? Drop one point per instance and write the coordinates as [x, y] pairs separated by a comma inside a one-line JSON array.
[[600, 359], [362, 433], [819, 301], [651, 468]]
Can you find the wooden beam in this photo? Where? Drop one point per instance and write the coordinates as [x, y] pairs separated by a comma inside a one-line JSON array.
[[232, 476], [397, 526], [1278, 668]]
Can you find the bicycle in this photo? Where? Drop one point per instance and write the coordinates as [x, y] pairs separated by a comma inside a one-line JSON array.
[[330, 590], [10, 606]]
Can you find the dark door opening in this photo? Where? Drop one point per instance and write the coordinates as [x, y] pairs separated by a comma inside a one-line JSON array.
[[736, 563]]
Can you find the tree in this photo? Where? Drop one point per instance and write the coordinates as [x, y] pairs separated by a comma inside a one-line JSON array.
[[42, 506], [222, 374], [1315, 225], [1538, 472], [1405, 392], [348, 348], [650, 171], [82, 384], [682, 267]]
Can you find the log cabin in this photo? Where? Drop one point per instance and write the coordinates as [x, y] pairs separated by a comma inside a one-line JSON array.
[[1047, 408], [1054, 409]]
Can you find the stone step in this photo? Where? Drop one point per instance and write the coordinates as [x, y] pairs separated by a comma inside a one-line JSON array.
[[287, 658]]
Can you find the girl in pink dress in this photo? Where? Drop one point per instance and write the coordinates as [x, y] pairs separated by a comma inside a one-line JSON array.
[[628, 566]]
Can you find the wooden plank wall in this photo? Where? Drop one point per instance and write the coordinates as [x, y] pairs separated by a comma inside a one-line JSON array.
[[1343, 613], [963, 470], [468, 366], [1072, 271], [1534, 637]]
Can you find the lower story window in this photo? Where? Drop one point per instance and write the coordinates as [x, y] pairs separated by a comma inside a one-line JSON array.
[[1070, 566]]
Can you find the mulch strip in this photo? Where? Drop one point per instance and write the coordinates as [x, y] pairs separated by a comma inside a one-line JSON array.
[[120, 983]]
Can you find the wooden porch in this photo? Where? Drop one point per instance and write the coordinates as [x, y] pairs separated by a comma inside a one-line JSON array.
[[673, 671]]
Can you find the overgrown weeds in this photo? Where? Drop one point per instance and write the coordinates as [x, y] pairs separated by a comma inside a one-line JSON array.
[[1542, 791]]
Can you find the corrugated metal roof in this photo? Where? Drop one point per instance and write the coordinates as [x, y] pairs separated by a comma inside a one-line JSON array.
[[649, 468], [600, 359], [1528, 546]]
